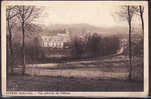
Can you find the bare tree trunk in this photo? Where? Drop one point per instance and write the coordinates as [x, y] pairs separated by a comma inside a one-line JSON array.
[[25, 13], [23, 49], [10, 45], [11, 51], [7, 56], [130, 54], [141, 15], [10, 42]]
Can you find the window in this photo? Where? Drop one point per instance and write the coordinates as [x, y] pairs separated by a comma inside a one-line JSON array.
[[45, 44], [50, 44], [61, 45], [54, 44]]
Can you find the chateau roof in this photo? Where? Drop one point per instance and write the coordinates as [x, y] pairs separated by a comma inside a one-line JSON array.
[[58, 37]]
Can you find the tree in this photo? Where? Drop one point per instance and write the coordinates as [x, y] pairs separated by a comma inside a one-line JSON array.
[[11, 21], [77, 47], [26, 14], [127, 12], [141, 10], [93, 45]]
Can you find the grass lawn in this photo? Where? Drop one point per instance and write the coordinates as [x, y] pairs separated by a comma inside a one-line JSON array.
[[83, 75]]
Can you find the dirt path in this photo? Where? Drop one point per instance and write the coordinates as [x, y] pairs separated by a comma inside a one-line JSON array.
[[86, 73]]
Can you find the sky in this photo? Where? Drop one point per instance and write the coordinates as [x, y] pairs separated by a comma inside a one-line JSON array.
[[97, 15]]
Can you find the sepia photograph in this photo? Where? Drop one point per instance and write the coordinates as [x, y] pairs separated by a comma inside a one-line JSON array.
[[74, 48]]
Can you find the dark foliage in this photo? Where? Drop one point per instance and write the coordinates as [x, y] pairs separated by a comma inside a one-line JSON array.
[[94, 45], [77, 48], [110, 45], [33, 51], [137, 48], [14, 59]]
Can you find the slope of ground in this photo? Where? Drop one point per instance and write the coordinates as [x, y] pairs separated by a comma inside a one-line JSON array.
[[101, 74]]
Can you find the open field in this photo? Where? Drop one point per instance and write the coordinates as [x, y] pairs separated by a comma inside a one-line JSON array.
[[101, 74]]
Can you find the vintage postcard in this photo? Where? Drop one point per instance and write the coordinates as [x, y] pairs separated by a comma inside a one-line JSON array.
[[75, 48]]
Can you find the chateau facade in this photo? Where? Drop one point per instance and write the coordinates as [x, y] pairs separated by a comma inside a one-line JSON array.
[[57, 41]]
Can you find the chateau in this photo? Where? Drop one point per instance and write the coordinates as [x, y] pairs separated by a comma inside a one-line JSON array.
[[56, 41]]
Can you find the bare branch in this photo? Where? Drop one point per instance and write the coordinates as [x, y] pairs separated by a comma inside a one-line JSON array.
[[10, 8], [31, 11]]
